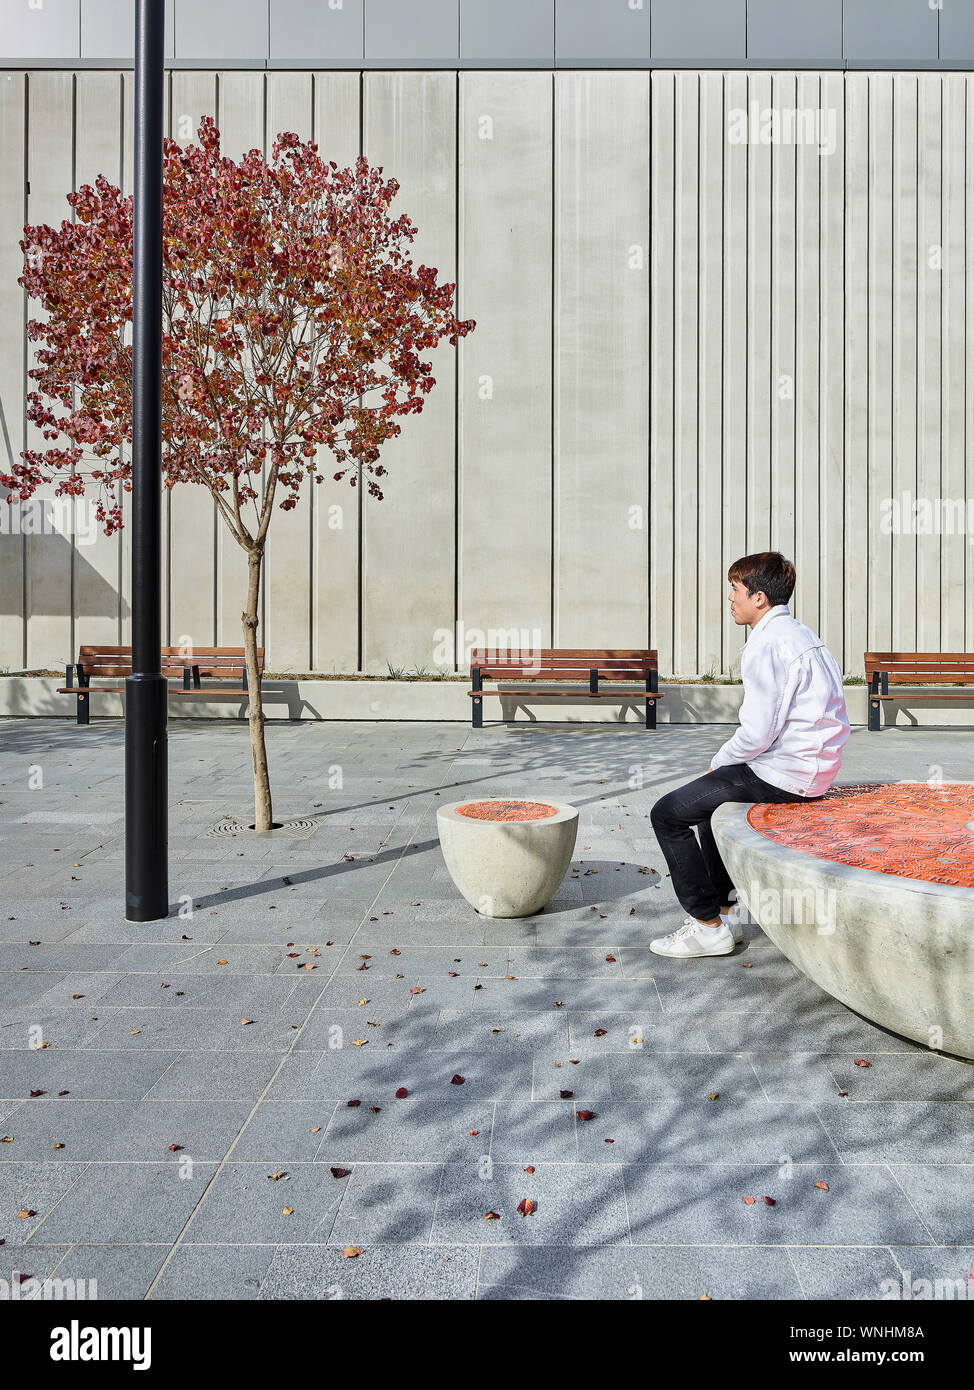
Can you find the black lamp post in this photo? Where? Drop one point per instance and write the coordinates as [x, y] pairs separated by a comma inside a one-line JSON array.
[[146, 761]]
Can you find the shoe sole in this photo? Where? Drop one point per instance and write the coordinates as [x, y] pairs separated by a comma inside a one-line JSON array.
[[690, 955]]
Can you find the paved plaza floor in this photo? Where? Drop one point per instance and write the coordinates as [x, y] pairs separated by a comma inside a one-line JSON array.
[[176, 1098]]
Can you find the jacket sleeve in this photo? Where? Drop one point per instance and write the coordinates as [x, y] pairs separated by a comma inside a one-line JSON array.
[[768, 692]]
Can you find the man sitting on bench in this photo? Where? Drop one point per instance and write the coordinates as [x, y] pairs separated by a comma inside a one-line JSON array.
[[793, 726]]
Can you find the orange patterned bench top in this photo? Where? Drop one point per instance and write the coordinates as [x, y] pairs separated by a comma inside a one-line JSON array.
[[909, 829]]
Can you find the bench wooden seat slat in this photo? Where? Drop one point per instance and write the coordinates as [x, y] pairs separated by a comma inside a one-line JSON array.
[[919, 669], [560, 690]]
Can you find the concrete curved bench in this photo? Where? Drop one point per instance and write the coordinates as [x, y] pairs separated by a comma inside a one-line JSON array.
[[897, 950]]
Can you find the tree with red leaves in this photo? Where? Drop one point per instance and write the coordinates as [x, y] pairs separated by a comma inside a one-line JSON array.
[[293, 324]]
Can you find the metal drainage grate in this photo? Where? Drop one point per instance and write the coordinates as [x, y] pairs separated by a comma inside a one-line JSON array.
[[287, 830]]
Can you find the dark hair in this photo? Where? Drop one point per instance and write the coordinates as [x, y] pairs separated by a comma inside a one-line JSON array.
[[766, 573]]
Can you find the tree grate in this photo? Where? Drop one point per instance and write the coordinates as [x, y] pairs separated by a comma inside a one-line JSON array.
[[287, 830]]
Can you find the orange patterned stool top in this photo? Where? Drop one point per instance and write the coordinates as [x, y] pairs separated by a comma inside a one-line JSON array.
[[909, 829], [507, 810]]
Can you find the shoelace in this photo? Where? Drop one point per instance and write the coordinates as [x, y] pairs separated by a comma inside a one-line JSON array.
[[688, 929]]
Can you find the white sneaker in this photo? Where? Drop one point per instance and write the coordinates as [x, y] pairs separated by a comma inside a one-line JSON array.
[[690, 942]]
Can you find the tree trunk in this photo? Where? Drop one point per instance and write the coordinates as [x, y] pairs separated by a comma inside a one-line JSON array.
[[263, 811]]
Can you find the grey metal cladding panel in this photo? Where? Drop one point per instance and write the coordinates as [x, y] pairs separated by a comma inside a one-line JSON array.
[[309, 31], [416, 29], [49, 32], [795, 29], [108, 31], [957, 31], [508, 30], [216, 30], [686, 32], [601, 33], [891, 30]]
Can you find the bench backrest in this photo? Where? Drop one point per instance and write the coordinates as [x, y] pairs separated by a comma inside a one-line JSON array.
[[212, 661], [921, 668], [573, 663]]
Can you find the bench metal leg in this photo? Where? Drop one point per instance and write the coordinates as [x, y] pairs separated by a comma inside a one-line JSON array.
[[476, 701], [84, 705], [652, 690], [872, 704]]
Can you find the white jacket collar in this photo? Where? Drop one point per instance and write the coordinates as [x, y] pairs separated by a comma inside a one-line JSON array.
[[761, 626]]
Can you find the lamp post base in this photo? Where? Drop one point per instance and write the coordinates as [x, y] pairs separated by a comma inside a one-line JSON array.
[[146, 809]]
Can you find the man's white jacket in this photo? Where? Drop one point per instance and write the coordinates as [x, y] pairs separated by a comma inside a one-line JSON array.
[[793, 721]]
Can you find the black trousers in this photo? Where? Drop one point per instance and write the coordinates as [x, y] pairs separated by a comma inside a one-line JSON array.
[[700, 880]]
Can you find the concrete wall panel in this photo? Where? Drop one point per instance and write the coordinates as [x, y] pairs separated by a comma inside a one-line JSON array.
[[506, 365], [409, 537], [601, 470]]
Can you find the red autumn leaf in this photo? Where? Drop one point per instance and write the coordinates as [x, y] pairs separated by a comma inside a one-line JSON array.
[[609, 1141], [600, 1032], [457, 1080], [529, 1168], [566, 1095], [525, 1207], [823, 1185], [34, 1094], [586, 1114], [353, 1103], [473, 1131], [492, 1216], [860, 1063], [340, 1172], [402, 1093], [175, 1148], [770, 1201], [749, 1201]]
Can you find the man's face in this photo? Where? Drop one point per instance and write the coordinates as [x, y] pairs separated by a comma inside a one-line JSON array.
[[746, 608]]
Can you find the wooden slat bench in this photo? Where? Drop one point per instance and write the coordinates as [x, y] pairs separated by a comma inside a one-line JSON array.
[[566, 664], [943, 669], [228, 663]]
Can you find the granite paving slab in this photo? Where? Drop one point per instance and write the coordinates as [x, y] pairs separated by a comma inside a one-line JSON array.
[[634, 1100]]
